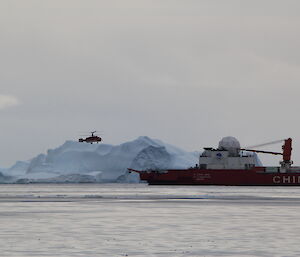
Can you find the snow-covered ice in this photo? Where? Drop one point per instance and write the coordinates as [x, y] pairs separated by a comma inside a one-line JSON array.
[[140, 220]]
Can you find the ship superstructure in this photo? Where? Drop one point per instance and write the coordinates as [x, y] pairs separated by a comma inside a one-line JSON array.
[[227, 156]]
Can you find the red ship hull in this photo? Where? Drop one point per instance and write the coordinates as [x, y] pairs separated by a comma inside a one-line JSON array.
[[254, 177]]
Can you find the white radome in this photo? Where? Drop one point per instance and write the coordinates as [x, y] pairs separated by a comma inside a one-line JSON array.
[[230, 144]]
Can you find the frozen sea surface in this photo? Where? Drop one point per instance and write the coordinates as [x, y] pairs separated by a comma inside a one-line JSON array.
[[141, 220]]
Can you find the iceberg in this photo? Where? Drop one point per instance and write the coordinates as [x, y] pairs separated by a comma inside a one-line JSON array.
[[75, 162]]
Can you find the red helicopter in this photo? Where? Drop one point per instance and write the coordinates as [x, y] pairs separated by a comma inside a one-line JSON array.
[[91, 139]]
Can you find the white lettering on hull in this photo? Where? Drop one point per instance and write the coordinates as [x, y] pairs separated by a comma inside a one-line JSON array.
[[286, 180], [276, 179], [201, 176]]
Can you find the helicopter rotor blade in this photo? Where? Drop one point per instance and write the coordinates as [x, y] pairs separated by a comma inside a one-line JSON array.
[[264, 144]]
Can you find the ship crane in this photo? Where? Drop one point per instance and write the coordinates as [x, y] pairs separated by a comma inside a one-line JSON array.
[[286, 153]]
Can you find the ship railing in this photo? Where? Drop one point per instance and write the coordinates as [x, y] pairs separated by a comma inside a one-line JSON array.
[[294, 169], [272, 169]]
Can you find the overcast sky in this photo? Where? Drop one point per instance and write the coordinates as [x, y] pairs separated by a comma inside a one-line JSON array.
[[186, 72]]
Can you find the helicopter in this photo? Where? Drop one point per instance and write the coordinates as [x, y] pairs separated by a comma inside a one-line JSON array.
[[91, 139]]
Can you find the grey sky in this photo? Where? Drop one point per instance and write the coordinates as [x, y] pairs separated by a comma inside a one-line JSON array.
[[186, 72]]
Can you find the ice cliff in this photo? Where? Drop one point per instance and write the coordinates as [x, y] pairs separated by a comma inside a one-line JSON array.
[[75, 162]]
